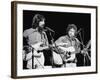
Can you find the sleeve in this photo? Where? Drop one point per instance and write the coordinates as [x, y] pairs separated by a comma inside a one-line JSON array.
[[77, 46], [78, 42], [28, 32], [59, 40], [23, 54]]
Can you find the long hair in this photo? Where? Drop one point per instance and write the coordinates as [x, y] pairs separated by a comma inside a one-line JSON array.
[[70, 26], [36, 19]]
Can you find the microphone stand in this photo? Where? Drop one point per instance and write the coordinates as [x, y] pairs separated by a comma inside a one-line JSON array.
[[52, 42], [83, 48], [32, 58]]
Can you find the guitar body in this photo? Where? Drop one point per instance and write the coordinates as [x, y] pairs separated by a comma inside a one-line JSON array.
[[63, 54], [57, 59], [39, 60], [38, 56]]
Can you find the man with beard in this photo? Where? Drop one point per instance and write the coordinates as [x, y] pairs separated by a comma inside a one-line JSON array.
[[36, 38]]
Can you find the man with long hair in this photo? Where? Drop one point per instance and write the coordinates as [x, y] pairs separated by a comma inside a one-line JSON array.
[[36, 38]]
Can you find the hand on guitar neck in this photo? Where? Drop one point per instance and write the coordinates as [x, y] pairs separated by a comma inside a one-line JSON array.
[[85, 50]]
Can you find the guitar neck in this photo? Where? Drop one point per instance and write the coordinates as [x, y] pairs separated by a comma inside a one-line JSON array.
[[42, 48], [69, 49], [88, 44]]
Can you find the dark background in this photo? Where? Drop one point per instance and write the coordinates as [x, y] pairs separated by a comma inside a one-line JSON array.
[[58, 21]]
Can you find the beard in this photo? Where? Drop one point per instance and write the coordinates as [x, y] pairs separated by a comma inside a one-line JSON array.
[[41, 28]]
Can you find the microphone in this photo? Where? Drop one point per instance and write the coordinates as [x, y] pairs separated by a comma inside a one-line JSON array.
[[49, 29]]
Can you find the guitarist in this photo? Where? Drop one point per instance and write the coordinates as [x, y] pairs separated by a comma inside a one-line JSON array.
[[70, 40], [33, 36]]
